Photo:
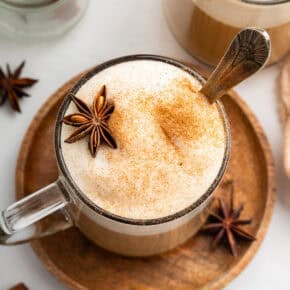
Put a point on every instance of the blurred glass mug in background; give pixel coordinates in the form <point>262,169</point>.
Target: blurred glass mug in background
<point>40,18</point>
<point>205,28</point>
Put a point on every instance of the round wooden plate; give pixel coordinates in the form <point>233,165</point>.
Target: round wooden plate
<point>79,264</point>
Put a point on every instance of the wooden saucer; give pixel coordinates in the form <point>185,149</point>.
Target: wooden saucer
<point>79,264</point>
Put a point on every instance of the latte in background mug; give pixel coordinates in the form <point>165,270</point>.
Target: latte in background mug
<point>205,28</point>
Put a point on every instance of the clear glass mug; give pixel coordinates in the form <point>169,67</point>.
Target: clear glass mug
<point>205,28</point>
<point>40,18</point>
<point>21,222</point>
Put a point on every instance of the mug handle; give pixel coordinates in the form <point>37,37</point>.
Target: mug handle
<point>19,223</point>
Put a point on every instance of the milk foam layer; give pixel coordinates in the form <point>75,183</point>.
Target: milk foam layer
<point>240,14</point>
<point>171,142</point>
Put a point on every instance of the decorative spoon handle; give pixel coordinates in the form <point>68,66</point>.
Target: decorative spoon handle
<point>248,52</point>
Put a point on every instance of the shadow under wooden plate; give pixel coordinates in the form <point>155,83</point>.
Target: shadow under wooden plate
<point>79,264</point>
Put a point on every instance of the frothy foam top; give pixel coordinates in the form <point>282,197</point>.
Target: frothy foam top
<point>171,142</point>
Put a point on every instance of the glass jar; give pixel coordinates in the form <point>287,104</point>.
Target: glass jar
<point>40,18</point>
<point>205,28</point>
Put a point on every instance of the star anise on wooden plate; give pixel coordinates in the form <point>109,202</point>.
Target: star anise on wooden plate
<point>12,86</point>
<point>226,223</point>
<point>92,121</point>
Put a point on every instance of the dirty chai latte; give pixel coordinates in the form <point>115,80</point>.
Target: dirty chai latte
<point>171,141</point>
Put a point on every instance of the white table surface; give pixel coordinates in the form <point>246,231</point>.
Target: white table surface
<point>109,29</point>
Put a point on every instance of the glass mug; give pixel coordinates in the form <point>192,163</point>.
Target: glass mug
<point>70,207</point>
<point>40,18</point>
<point>205,28</point>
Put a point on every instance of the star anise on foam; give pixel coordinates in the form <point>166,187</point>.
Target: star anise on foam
<point>92,121</point>
<point>226,224</point>
<point>11,86</point>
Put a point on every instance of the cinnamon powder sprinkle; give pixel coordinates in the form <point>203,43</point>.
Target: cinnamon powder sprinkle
<point>175,122</point>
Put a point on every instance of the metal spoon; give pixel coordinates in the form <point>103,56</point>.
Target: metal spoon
<point>248,52</point>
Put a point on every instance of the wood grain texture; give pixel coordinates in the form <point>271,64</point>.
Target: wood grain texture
<point>79,264</point>
<point>284,110</point>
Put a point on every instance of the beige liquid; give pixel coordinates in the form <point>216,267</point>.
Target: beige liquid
<point>206,27</point>
<point>171,142</point>
<point>145,244</point>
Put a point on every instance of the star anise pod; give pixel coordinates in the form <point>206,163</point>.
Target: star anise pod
<point>92,121</point>
<point>226,224</point>
<point>19,286</point>
<point>11,86</point>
